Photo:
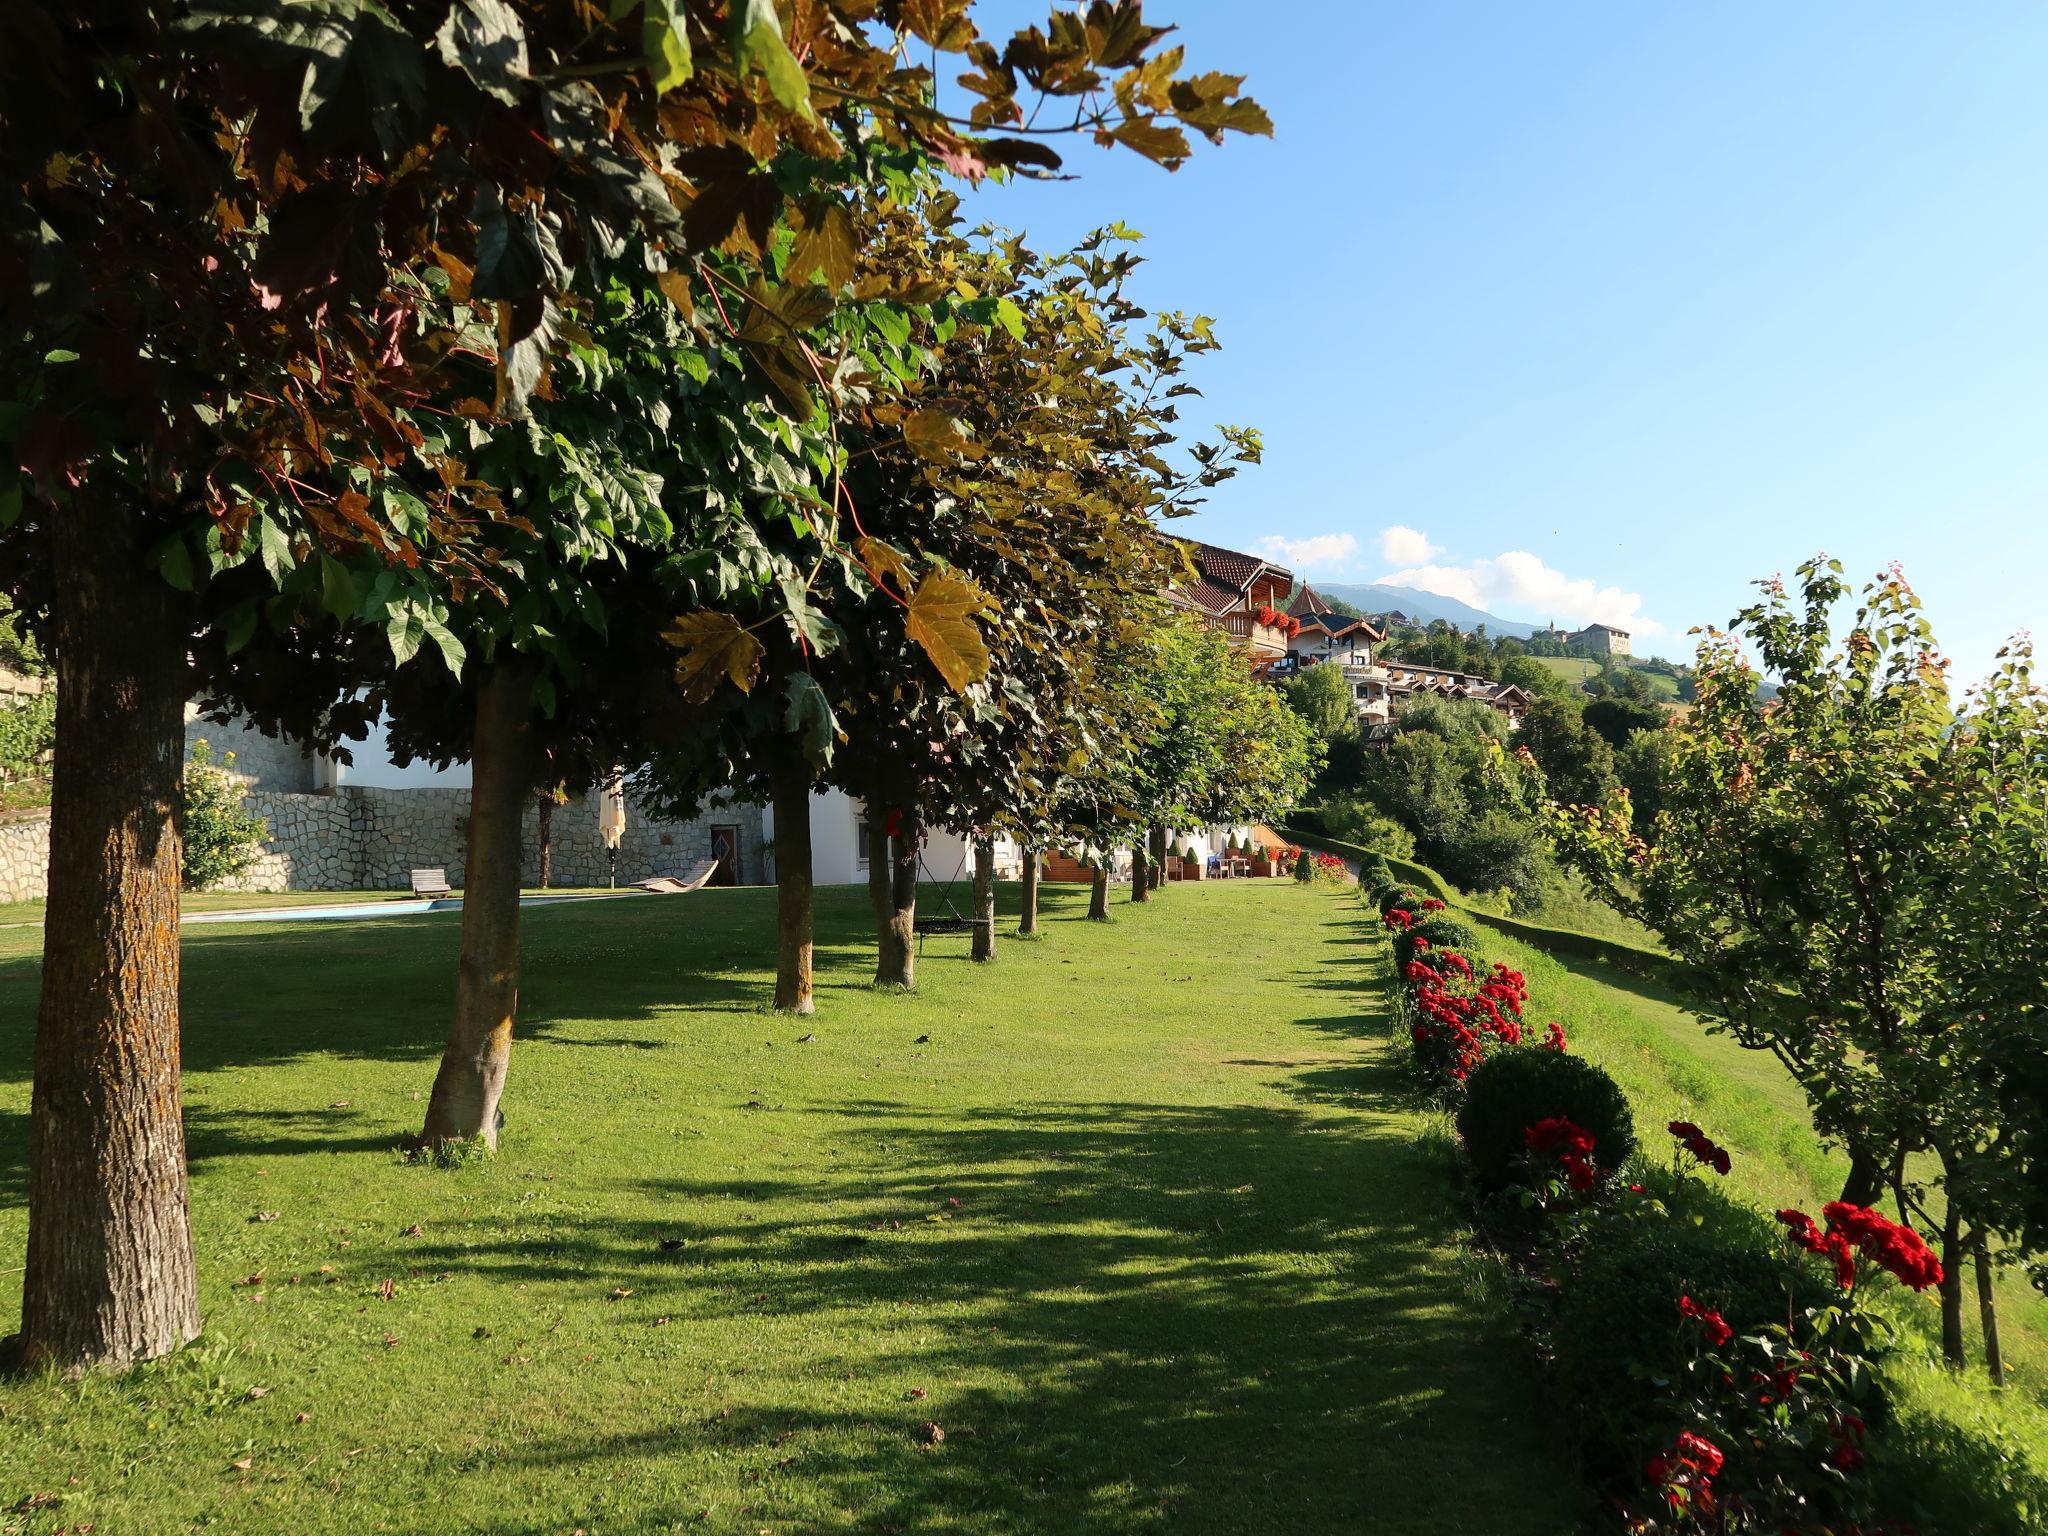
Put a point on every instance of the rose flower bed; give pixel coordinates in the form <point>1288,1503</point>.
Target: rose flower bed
<point>1716,1368</point>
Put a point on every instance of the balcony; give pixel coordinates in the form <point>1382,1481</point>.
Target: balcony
<point>1264,639</point>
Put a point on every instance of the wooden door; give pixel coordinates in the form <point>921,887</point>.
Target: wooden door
<point>725,847</point>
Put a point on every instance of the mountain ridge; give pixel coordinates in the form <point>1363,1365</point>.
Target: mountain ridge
<point>1382,597</point>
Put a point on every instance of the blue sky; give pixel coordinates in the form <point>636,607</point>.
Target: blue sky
<point>1608,310</point>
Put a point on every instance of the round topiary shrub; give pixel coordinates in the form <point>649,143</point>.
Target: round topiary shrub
<point>1442,933</point>
<point>1405,896</point>
<point>1509,1092</point>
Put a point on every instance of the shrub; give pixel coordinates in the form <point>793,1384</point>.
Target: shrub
<point>221,838</point>
<point>1441,932</point>
<point>1304,870</point>
<point>1404,896</point>
<point>1509,1092</point>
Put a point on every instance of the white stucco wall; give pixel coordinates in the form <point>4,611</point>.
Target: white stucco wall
<point>839,856</point>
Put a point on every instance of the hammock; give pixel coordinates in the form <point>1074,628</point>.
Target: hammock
<point>927,925</point>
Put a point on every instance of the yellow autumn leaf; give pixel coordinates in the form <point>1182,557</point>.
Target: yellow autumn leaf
<point>676,287</point>
<point>714,646</point>
<point>884,561</point>
<point>933,434</point>
<point>941,619</point>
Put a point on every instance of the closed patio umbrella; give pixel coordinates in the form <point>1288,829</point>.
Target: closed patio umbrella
<point>611,823</point>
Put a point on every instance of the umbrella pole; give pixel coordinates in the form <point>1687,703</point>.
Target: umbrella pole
<point>612,859</point>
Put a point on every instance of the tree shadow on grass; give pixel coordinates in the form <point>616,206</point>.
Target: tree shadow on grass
<point>1127,1316</point>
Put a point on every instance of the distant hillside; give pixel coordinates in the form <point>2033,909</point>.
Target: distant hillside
<point>1576,669</point>
<point>1379,598</point>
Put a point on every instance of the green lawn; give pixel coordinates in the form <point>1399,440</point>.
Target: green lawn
<point>1576,669</point>
<point>1147,1225</point>
<point>1672,1068</point>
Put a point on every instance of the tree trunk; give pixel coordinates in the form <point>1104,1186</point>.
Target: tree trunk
<point>109,1278</point>
<point>1866,1180</point>
<point>1158,870</point>
<point>792,791</point>
<point>1952,1256</point>
<point>897,964</point>
<point>1027,920</point>
<point>464,1106</point>
<point>984,898</point>
<point>878,883</point>
<point>1987,1314</point>
<point>1098,894</point>
<point>547,840</point>
<point>1141,879</point>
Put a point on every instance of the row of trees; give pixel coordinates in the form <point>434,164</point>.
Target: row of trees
<point>572,387</point>
<point>1855,877</point>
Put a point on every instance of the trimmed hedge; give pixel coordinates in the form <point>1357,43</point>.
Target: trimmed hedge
<point>1512,1090</point>
<point>1557,941</point>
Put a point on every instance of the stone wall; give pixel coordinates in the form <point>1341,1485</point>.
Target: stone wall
<point>24,855</point>
<point>365,839</point>
<point>263,762</point>
<point>360,838</point>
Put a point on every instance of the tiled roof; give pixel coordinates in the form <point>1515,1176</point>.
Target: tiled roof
<point>1230,568</point>
<point>1211,597</point>
<point>1307,605</point>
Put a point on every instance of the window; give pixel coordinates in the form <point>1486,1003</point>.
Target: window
<point>860,840</point>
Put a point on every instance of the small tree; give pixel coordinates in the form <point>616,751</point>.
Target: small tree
<point>222,837</point>
<point>1853,878</point>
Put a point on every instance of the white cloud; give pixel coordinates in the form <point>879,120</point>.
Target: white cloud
<point>1406,546</point>
<point>1518,585</point>
<point>1322,554</point>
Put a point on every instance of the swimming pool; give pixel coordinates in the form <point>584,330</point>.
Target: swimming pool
<point>343,911</point>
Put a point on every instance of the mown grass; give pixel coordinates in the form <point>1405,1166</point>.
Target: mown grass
<point>1576,669</point>
<point>1672,1068</point>
<point>1140,1215</point>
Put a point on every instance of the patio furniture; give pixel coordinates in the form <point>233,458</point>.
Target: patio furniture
<point>695,878</point>
<point>431,883</point>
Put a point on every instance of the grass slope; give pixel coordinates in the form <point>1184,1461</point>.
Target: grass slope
<point>1672,1068</point>
<point>1576,669</point>
<point>1147,1225</point>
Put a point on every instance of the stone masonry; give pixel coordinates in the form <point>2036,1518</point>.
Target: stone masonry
<point>358,838</point>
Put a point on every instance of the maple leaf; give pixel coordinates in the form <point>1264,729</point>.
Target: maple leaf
<point>714,646</point>
<point>941,620</point>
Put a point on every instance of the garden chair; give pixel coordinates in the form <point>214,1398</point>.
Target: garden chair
<point>431,883</point>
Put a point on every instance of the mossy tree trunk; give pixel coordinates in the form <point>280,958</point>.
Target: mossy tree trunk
<point>109,1278</point>
<point>471,1081</point>
<point>1098,893</point>
<point>1141,877</point>
<point>1158,870</point>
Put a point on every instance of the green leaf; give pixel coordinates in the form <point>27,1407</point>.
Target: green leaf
<point>175,561</point>
<point>406,629</point>
<point>755,37</point>
<point>1010,318</point>
<point>444,641</point>
<point>60,355</point>
<point>807,714</point>
<point>485,40</point>
<point>239,626</point>
<point>274,546</point>
<point>666,44</point>
<point>337,588</point>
